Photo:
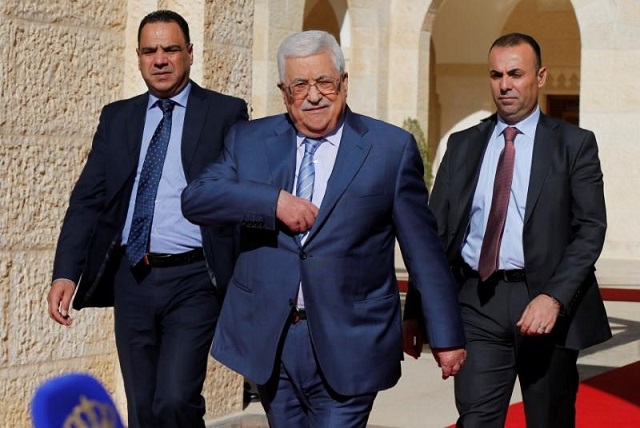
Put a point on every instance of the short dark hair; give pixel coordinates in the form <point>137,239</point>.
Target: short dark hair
<point>166,16</point>
<point>515,39</point>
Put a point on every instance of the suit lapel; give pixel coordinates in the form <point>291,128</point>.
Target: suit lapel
<point>472,150</point>
<point>131,135</point>
<point>133,128</point>
<point>281,154</point>
<point>546,139</point>
<point>351,154</point>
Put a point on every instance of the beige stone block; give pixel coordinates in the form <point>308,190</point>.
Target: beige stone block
<point>222,390</point>
<point>286,15</point>
<point>361,98</point>
<point>406,21</point>
<point>403,65</point>
<point>622,242</point>
<point>627,36</point>
<point>6,264</point>
<point>36,338</point>
<point>42,172</point>
<point>596,19</point>
<point>602,124</point>
<point>629,13</point>
<point>79,13</point>
<point>619,165</point>
<point>630,97</point>
<point>228,70</point>
<point>363,63</point>
<point>228,47</point>
<point>600,96</point>
<point>59,92</point>
<point>229,22</point>
<point>368,13</point>
<point>596,65</point>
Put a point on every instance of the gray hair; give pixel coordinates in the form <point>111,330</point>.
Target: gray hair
<point>307,43</point>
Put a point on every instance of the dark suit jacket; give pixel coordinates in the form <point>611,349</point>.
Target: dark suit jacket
<point>564,224</point>
<point>375,194</point>
<point>99,202</point>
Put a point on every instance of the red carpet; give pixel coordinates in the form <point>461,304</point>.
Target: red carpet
<point>610,400</point>
<point>620,294</point>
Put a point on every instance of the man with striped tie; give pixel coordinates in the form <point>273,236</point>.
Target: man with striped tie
<point>320,195</point>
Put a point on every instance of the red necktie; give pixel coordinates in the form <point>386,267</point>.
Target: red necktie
<point>488,263</point>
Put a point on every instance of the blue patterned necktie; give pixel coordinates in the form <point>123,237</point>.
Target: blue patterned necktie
<point>148,185</point>
<point>307,172</point>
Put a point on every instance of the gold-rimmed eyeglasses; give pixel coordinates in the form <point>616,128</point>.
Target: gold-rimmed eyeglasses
<point>301,88</point>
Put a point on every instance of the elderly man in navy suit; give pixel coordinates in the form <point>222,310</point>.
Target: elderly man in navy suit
<point>320,195</point>
<point>125,243</point>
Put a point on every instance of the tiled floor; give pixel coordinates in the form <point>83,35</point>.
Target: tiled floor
<point>422,400</point>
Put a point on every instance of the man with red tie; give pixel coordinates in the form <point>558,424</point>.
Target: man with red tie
<point>521,213</point>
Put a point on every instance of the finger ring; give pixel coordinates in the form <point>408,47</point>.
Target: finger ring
<point>542,328</point>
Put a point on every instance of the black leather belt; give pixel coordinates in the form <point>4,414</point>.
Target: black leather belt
<point>298,315</point>
<point>169,260</point>
<point>510,275</point>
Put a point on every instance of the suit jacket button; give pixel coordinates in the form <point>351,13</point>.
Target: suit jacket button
<point>303,255</point>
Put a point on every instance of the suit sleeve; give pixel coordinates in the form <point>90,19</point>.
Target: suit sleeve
<point>439,205</point>
<point>588,223</point>
<point>219,198</point>
<point>431,279</point>
<point>85,204</point>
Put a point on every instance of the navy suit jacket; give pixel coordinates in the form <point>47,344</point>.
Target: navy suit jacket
<point>375,194</point>
<point>99,202</point>
<point>564,223</point>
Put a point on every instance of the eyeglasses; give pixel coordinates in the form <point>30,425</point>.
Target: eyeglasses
<point>325,86</point>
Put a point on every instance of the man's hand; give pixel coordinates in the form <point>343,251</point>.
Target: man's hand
<point>59,300</point>
<point>296,213</point>
<point>412,339</point>
<point>450,360</point>
<point>540,316</point>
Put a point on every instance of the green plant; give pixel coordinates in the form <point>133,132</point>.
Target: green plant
<point>413,126</point>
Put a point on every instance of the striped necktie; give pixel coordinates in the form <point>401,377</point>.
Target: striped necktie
<point>307,172</point>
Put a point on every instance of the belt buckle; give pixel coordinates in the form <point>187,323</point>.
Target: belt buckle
<point>296,317</point>
<point>145,259</point>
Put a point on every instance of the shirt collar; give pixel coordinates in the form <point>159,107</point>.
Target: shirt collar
<point>526,126</point>
<point>180,99</point>
<point>332,138</point>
